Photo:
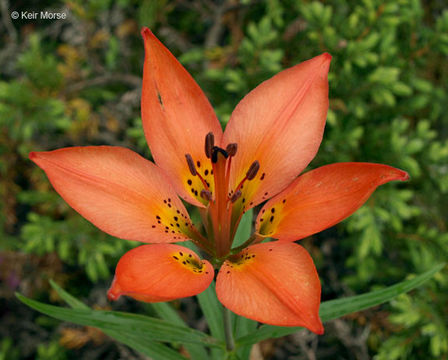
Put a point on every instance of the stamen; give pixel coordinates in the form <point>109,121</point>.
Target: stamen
<point>209,144</point>
<point>231,149</point>
<point>252,172</point>
<point>190,163</point>
<point>235,196</point>
<point>207,195</point>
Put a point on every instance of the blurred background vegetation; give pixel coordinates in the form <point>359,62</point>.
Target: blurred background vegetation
<point>77,81</point>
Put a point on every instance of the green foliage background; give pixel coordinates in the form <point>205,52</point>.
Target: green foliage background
<point>77,82</point>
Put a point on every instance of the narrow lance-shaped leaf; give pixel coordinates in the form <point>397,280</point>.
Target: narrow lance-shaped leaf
<point>168,313</point>
<point>138,342</point>
<point>154,329</point>
<point>212,310</point>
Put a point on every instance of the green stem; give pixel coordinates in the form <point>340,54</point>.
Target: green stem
<point>230,343</point>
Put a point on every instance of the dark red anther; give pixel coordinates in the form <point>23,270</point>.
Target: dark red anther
<point>253,170</point>
<point>207,195</point>
<point>190,163</point>
<point>209,144</point>
<point>231,149</point>
<point>235,196</point>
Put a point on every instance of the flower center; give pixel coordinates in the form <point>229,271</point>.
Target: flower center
<point>219,199</point>
<point>221,162</point>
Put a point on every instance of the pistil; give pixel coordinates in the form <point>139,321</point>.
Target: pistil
<point>218,208</point>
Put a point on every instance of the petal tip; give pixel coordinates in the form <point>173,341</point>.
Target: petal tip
<point>326,60</point>
<point>327,57</point>
<point>403,176</point>
<point>32,155</point>
<point>145,32</point>
<point>398,174</point>
<point>113,294</point>
<point>319,330</point>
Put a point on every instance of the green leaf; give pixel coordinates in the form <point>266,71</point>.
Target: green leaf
<point>213,312</point>
<point>68,298</point>
<point>334,309</point>
<point>152,349</point>
<point>138,342</point>
<point>153,329</point>
<point>243,326</point>
<point>166,312</point>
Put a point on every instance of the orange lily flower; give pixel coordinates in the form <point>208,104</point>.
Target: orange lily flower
<point>272,135</point>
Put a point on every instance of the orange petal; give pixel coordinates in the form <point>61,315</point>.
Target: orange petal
<point>176,118</point>
<point>321,198</point>
<point>118,191</point>
<point>162,272</point>
<point>274,283</point>
<point>280,123</point>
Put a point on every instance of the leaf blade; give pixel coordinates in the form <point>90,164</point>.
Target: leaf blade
<point>152,349</point>
<point>73,302</point>
<point>155,329</point>
<point>168,313</point>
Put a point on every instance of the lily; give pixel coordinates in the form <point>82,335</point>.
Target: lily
<point>272,135</point>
